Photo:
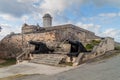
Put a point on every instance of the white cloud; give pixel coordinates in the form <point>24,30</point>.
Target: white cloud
<point>7,17</point>
<point>112,32</point>
<point>119,14</point>
<point>19,8</point>
<point>16,8</point>
<point>56,7</point>
<point>100,3</point>
<point>25,18</point>
<point>26,9</point>
<point>7,29</point>
<point>92,27</point>
<point>103,18</point>
<point>28,1</point>
<point>108,15</point>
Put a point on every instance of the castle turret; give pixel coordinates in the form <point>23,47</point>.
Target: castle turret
<point>47,20</point>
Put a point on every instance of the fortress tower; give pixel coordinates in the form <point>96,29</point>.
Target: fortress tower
<point>47,20</point>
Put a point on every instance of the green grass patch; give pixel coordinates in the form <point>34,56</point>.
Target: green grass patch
<point>93,43</point>
<point>117,47</point>
<point>8,62</point>
<point>89,47</point>
<point>68,63</point>
<point>65,64</point>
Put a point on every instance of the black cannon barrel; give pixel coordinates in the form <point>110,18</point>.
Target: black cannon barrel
<point>36,43</point>
<point>76,48</point>
<point>72,42</point>
<point>40,47</point>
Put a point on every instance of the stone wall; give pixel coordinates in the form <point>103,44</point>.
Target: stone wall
<point>74,33</point>
<point>13,43</point>
<point>47,35</point>
<point>105,45</point>
<point>10,46</point>
<point>63,32</point>
<point>43,37</point>
<point>29,28</point>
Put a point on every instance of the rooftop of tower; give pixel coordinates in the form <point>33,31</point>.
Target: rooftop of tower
<point>47,15</point>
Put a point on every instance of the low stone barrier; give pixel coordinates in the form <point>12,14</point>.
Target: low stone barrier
<point>105,45</point>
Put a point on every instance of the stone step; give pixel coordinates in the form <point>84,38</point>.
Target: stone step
<point>50,59</point>
<point>40,61</point>
<point>49,55</point>
<point>43,61</point>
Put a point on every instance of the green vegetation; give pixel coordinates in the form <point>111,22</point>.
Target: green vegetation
<point>65,64</point>
<point>89,47</point>
<point>69,63</point>
<point>8,62</point>
<point>93,43</point>
<point>117,48</point>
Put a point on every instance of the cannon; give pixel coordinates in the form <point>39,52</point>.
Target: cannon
<point>40,47</point>
<point>76,48</point>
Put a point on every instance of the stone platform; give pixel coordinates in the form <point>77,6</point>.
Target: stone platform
<point>49,59</point>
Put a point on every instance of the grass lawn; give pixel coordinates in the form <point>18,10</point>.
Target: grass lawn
<point>8,62</point>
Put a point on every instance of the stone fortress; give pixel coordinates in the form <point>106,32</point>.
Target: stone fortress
<point>53,44</point>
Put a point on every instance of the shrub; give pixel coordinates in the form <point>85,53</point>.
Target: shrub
<point>89,46</point>
<point>8,62</point>
<point>117,48</point>
<point>93,43</point>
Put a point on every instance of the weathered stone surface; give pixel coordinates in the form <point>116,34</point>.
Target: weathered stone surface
<point>105,45</point>
<point>51,36</point>
<point>50,59</point>
<point>48,34</point>
<point>47,20</point>
<point>29,28</point>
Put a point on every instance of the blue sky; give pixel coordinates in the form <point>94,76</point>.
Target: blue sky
<point>99,16</point>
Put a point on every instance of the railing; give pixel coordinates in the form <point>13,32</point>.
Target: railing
<point>95,49</point>
<point>26,54</point>
<point>23,55</point>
